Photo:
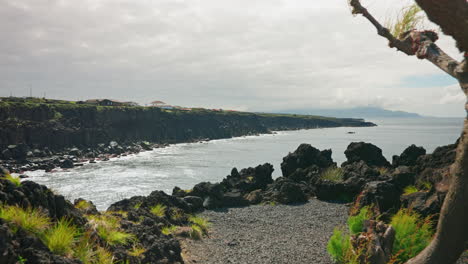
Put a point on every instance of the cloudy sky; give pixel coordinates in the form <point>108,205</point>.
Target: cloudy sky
<point>256,55</point>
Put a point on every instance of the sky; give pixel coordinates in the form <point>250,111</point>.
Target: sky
<point>249,55</point>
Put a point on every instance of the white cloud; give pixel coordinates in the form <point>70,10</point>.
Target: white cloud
<point>245,54</point>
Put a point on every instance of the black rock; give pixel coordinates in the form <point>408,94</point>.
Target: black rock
<point>409,156</point>
<point>66,164</point>
<point>367,152</point>
<point>306,156</point>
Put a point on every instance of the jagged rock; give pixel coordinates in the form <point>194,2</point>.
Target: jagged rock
<point>305,156</point>
<point>385,195</point>
<point>207,189</point>
<point>74,152</point>
<point>254,197</point>
<point>377,238</point>
<point>409,156</point>
<point>360,169</point>
<point>367,152</point>
<point>6,154</point>
<point>424,203</point>
<point>403,176</point>
<point>195,201</point>
<point>234,199</point>
<point>87,207</point>
<point>67,164</point>
<point>249,179</point>
<point>285,191</point>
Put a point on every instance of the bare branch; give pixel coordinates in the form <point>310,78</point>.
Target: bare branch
<point>419,43</point>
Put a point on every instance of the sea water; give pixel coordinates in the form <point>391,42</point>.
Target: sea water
<point>185,165</point>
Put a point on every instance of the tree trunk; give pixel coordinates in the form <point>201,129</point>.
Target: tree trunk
<point>452,231</point>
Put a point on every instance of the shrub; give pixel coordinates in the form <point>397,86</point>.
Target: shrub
<point>332,174</point>
<point>159,210</point>
<point>339,246</point>
<point>356,222</point>
<point>60,238</point>
<point>413,234</point>
<point>201,222</point>
<point>410,189</point>
<point>13,179</point>
<point>32,220</point>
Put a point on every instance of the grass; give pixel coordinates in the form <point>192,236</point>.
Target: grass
<point>83,205</point>
<point>108,228</point>
<point>136,251</point>
<point>137,205</point>
<point>413,234</point>
<point>103,256</point>
<point>201,222</point>
<point>84,249</point>
<point>177,214</point>
<point>408,19</point>
<point>61,237</point>
<point>32,220</point>
<point>332,174</point>
<point>167,230</point>
<point>13,179</point>
<point>196,232</point>
<point>410,189</point>
<point>356,223</point>
<point>159,210</point>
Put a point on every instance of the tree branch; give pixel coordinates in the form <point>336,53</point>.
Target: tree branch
<point>419,43</point>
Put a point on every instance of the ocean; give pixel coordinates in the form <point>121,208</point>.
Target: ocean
<point>187,164</point>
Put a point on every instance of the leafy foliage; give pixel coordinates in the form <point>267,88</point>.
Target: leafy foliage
<point>413,234</point>
<point>339,246</point>
<point>356,222</point>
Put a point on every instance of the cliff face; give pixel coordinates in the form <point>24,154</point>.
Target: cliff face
<point>60,126</point>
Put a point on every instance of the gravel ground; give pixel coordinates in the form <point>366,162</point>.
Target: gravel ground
<point>268,234</point>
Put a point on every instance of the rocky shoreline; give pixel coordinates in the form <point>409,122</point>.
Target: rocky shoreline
<point>366,178</point>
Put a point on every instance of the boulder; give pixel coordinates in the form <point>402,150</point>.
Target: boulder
<point>234,199</point>
<point>254,197</point>
<point>305,156</point>
<point>409,156</point>
<point>285,191</point>
<point>367,152</point>
<point>6,154</point>
<point>66,164</point>
<point>383,194</point>
<point>195,201</point>
<point>249,179</point>
<point>74,152</point>
<point>424,203</point>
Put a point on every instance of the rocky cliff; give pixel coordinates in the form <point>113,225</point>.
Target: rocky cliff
<point>58,126</point>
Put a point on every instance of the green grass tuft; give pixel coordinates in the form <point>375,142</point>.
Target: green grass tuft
<point>61,237</point>
<point>159,210</point>
<point>201,222</point>
<point>167,230</point>
<point>108,228</point>
<point>413,234</point>
<point>356,222</point>
<point>408,19</point>
<point>32,220</point>
<point>13,179</point>
<point>196,232</point>
<point>103,256</point>
<point>332,174</point>
<point>137,251</point>
<point>83,205</point>
<point>410,189</point>
<point>137,205</point>
<point>84,249</point>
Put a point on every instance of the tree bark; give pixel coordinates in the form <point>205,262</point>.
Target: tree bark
<point>452,230</point>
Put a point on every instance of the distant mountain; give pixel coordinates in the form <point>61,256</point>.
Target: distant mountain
<point>356,112</point>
